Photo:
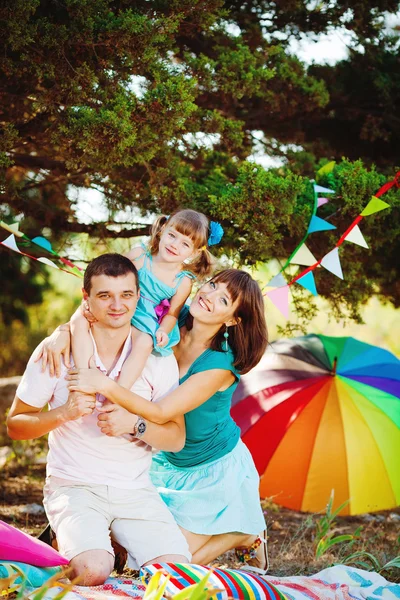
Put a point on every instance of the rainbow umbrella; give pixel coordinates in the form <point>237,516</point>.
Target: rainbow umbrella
<point>322,413</point>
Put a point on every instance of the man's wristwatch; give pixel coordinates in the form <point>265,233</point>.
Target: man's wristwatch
<point>139,428</point>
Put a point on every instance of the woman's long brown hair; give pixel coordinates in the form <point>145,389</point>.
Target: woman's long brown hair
<point>249,338</point>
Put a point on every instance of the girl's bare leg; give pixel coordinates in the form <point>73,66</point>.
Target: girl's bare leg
<point>142,346</point>
<point>81,342</point>
<point>205,548</point>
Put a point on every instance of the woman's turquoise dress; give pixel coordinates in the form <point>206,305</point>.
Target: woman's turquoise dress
<point>152,293</point>
<point>211,486</point>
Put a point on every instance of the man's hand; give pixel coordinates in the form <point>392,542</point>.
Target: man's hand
<point>162,338</point>
<point>79,405</point>
<point>114,420</point>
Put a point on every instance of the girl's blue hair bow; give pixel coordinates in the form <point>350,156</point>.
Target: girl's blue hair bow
<point>216,233</point>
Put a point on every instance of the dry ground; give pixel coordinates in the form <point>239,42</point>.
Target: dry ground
<point>291,534</point>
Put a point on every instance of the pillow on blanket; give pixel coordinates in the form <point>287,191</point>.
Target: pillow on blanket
<point>18,546</point>
<point>34,576</point>
<point>235,584</point>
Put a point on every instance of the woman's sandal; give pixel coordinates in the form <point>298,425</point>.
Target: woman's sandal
<point>251,558</point>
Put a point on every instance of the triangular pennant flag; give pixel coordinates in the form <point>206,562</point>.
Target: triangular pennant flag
<point>47,261</point>
<point>373,206</point>
<point>43,243</point>
<point>77,271</point>
<point>303,257</point>
<point>318,189</point>
<point>11,243</point>
<point>277,281</point>
<point>318,224</point>
<point>280,298</point>
<point>326,169</point>
<point>331,262</point>
<point>12,228</point>
<point>308,282</point>
<point>322,201</point>
<point>356,237</point>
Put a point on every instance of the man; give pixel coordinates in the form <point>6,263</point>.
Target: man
<point>98,483</point>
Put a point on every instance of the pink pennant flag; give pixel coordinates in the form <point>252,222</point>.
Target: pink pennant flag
<point>331,262</point>
<point>322,201</point>
<point>280,298</point>
<point>12,244</point>
<point>356,237</point>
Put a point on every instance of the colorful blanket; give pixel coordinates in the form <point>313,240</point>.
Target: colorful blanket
<point>335,583</point>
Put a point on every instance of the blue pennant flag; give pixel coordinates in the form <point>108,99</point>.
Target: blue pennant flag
<point>43,243</point>
<point>318,224</point>
<point>318,189</point>
<point>277,281</point>
<point>308,282</point>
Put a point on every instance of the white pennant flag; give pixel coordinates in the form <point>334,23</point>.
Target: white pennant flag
<point>11,243</point>
<point>13,228</point>
<point>356,237</point>
<point>49,262</point>
<point>331,262</point>
<point>304,257</point>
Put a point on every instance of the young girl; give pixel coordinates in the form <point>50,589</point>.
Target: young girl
<point>176,255</point>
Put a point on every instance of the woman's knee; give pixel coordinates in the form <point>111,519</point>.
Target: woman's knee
<point>91,567</point>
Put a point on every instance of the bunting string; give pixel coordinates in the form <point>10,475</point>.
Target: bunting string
<point>42,243</point>
<point>330,261</point>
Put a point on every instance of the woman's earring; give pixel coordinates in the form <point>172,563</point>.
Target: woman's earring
<point>226,336</point>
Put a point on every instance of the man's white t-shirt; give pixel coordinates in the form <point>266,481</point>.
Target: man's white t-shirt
<point>78,450</point>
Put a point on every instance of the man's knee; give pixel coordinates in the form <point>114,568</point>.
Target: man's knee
<point>91,567</point>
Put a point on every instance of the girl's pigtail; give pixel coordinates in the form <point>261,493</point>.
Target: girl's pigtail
<point>204,264</point>
<point>155,233</point>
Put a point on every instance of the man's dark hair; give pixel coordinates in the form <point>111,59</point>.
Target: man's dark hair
<point>112,265</point>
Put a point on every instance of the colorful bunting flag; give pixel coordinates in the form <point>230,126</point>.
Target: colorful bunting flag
<point>374,205</point>
<point>326,169</point>
<point>280,298</point>
<point>277,281</point>
<point>318,189</point>
<point>322,201</point>
<point>13,228</point>
<point>356,237</point>
<point>303,257</point>
<point>48,262</point>
<point>11,243</point>
<point>318,224</point>
<point>331,262</point>
<point>43,243</point>
<point>308,282</point>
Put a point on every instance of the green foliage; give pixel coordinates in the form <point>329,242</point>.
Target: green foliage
<point>324,537</point>
<point>369,562</point>
<point>161,104</point>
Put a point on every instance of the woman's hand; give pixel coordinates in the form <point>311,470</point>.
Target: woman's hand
<point>52,348</point>
<point>88,381</point>
<point>114,420</point>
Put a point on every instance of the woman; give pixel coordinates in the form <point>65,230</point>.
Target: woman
<point>211,485</point>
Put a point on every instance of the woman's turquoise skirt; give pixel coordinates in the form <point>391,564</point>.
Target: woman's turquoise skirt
<point>216,497</point>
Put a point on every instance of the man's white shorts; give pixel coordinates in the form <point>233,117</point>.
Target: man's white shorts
<point>82,517</point>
